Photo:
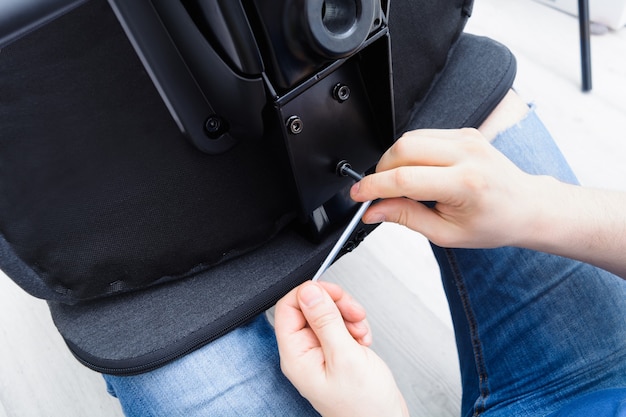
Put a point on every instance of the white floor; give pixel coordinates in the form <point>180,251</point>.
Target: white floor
<point>393,273</point>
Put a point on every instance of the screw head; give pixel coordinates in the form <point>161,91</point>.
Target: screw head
<point>341,92</point>
<point>215,126</point>
<point>295,125</point>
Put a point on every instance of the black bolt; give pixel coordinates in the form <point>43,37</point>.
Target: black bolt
<point>295,125</point>
<point>344,169</point>
<point>213,124</point>
<point>341,92</point>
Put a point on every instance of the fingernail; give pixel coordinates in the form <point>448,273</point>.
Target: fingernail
<point>311,295</point>
<point>355,188</point>
<point>367,339</point>
<point>374,218</point>
<point>362,326</point>
<point>357,306</point>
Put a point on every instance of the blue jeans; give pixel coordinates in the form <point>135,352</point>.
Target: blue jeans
<point>533,331</point>
<point>236,375</point>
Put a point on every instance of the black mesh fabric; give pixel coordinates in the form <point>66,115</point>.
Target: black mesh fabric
<point>100,192</point>
<point>422,33</point>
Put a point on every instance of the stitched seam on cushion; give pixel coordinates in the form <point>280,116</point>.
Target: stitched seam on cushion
<point>416,106</point>
<point>495,87</point>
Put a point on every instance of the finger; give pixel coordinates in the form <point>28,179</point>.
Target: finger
<point>350,309</point>
<point>439,228</point>
<point>352,312</point>
<point>361,332</point>
<point>417,183</point>
<point>288,317</point>
<point>324,318</point>
<point>409,213</point>
<point>291,319</point>
<point>425,147</point>
<point>298,346</point>
<point>334,291</point>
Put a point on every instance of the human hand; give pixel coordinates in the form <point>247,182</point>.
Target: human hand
<point>482,198</point>
<point>322,340</point>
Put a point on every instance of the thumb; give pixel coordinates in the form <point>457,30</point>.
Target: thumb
<point>324,318</point>
<point>410,213</point>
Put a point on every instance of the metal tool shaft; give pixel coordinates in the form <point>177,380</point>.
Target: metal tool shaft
<point>342,240</point>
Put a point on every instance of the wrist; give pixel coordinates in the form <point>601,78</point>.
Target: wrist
<point>549,216</point>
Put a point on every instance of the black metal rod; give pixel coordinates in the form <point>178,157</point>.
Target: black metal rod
<point>345,170</point>
<point>585,43</point>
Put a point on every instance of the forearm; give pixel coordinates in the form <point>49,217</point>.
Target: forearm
<point>581,223</point>
<point>576,222</point>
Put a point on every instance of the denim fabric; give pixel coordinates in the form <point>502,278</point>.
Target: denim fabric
<point>236,375</point>
<point>534,331</point>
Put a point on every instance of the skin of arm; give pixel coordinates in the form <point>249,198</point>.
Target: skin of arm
<point>483,200</point>
<point>581,223</point>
